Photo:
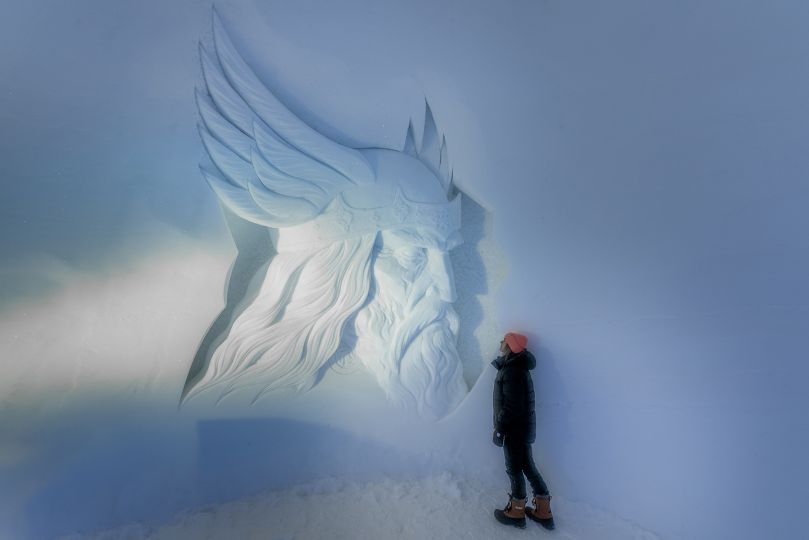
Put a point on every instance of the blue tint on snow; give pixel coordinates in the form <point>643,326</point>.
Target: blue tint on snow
<point>645,163</point>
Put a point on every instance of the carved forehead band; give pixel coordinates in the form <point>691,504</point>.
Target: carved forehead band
<point>341,221</point>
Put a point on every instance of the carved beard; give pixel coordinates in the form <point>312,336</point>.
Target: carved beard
<point>413,355</point>
<point>287,336</point>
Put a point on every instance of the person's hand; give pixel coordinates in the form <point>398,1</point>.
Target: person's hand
<point>497,438</point>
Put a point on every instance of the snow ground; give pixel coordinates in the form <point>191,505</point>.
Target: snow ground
<point>442,506</point>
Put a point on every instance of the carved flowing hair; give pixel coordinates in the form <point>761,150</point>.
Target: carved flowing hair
<point>287,336</point>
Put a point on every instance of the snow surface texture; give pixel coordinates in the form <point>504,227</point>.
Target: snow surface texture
<point>440,507</point>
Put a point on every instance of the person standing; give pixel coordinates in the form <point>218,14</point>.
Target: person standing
<point>515,431</point>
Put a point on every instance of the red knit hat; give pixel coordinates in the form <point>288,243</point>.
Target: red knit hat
<point>516,342</point>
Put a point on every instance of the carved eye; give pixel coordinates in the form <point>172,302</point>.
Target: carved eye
<point>411,259</point>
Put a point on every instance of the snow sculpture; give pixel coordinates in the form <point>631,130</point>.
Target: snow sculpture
<point>362,238</point>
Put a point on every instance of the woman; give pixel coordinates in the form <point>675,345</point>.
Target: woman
<point>515,431</point>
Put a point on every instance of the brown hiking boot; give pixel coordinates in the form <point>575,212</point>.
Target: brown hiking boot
<point>513,514</point>
<point>541,512</point>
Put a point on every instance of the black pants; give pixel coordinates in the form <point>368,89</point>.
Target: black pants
<point>519,462</point>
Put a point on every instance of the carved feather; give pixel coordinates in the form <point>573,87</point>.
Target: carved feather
<point>272,168</point>
<point>347,161</point>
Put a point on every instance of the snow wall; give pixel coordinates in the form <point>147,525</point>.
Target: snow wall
<point>643,170</point>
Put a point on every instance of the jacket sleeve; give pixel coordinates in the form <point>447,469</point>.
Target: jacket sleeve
<point>512,407</point>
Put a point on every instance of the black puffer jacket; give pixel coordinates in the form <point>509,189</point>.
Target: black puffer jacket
<point>513,398</point>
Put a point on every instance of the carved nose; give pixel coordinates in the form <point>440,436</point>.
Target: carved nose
<point>443,278</point>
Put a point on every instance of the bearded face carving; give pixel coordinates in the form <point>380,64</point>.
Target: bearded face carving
<point>362,238</point>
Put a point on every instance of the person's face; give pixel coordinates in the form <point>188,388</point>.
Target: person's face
<point>504,348</point>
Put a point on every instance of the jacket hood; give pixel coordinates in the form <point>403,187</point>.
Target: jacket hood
<point>523,359</point>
